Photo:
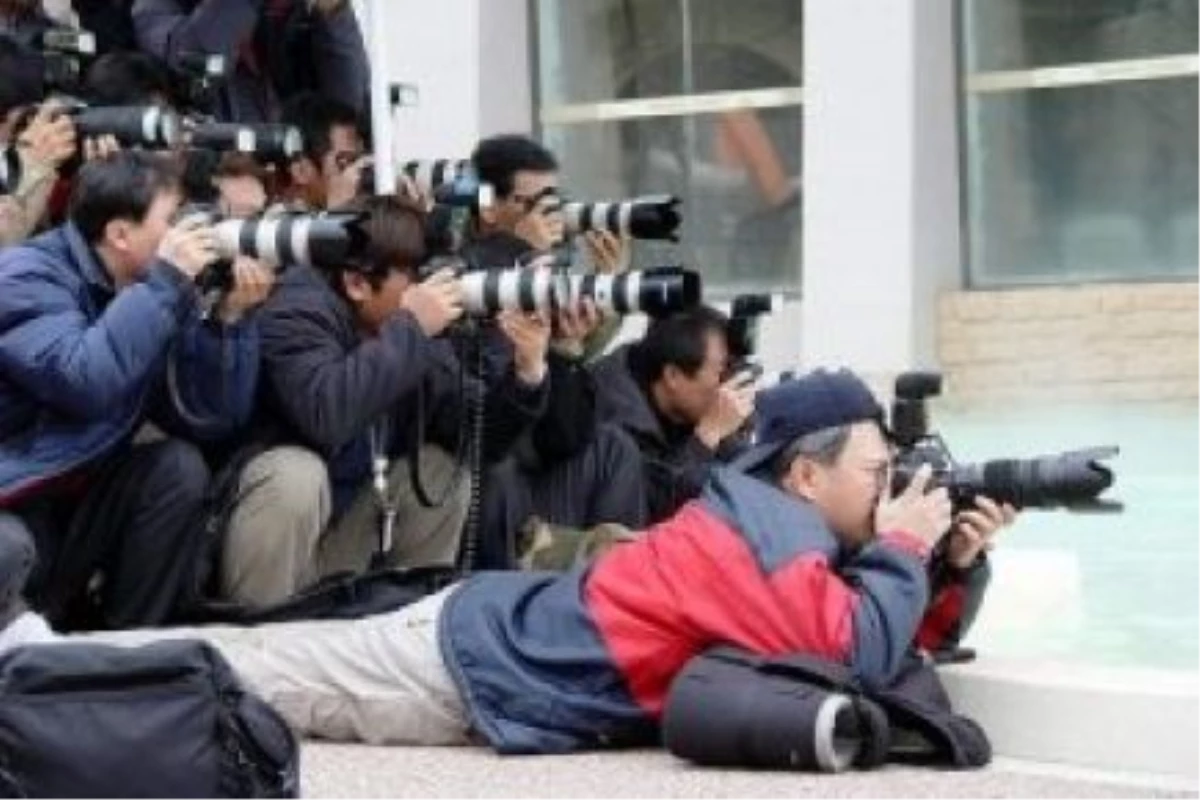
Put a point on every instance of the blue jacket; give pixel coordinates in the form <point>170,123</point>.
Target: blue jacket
<point>82,365</point>
<point>552,663</point>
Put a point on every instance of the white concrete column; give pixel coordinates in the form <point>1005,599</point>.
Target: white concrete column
<point>881,216</point>
<point>469,61</point>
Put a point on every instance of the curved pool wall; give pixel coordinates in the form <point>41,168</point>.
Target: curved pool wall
<point>1117,720</point>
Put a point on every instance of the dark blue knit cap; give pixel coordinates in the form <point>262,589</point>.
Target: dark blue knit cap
<point>813,402</point>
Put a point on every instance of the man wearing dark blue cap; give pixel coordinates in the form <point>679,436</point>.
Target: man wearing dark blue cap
<point>798,548</point>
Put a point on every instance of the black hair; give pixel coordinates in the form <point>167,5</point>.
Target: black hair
<point>23,71</point>
<point>125,78</point>
<point>122,186</point>
<point>498,159</point>
<point>316,116</point>
<point>395,231</point>
<point>679,340</point>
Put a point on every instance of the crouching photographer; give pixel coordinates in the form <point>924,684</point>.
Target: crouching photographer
<point>99,332</point>
<point>355,366</point>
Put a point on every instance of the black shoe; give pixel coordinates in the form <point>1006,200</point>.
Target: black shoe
<point>17,555</point>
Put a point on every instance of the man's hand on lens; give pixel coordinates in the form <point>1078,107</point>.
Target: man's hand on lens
<point>100,147</point>
<point>49,140</point>
<point>916,511</point>
<point>542,227</point>
<point>530,336</point>
<point>735,404</point>
<point>975,531</point>
<point>436,302</point>
<point>189,245</point>
<point>252,284</point>
<point>345,184</point>
<point>574,325</point>
<point>609,253</point>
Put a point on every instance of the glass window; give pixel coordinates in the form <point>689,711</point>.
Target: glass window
<point>1076,176</point>
<point>734,161</point>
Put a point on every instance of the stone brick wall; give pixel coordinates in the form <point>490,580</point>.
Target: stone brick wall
<point>1112,342</point>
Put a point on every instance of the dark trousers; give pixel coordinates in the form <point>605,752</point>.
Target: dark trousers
<point>603,483</point>
<point>130,551</point>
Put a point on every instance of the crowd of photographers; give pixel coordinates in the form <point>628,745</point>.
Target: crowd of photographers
<point>229,369</point>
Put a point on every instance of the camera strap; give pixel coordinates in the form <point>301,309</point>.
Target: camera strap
<point>386,501</point>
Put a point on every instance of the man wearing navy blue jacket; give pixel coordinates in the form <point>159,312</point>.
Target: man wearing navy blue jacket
<point>99,332</point>
<point>274,48</point>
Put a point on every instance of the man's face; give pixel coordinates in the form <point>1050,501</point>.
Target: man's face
<point>527,197</point>
<point>241,197</point>
<point>137,242</point>
<point>847,491</point>
<point>345,147</point>
<point>688,398</point>
<point>373,307</point>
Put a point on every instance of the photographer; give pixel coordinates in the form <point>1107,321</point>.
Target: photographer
<point>328,174</point>
<point>41,148</point>
<point>354,359</point>
<point>799,550</point>
<point>98,333</point>
<point>568,471</point>
<point>33,144</point>
<point>671,394</point>
<point>277,49</point>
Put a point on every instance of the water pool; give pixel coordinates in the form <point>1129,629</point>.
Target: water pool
<point>1129,593</point>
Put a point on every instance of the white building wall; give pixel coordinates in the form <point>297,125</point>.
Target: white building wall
<point>881,220</point>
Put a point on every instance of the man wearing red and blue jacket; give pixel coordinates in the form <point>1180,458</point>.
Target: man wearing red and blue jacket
<point>797,548</point>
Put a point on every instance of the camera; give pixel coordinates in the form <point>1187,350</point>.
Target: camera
<point>196,77</point>
<point>325,239</point>
<point>430,174</point>
<point>132,126</point>
<point>264,141</point>
<point>657,291</point>
<point>1073,480</point>
<point>654,217</point>
<point>63,52</point>
<point>741,331</point>
<point>280,239</point>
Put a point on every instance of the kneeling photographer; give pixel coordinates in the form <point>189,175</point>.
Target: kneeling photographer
<point>568,470</point>
<point>99,332</point>
<point>354,364</point>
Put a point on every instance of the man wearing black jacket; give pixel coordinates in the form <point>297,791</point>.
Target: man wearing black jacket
<point>568,470</point>
<point>353,361</point>
<point>671,394</point>
<point>275,49</point>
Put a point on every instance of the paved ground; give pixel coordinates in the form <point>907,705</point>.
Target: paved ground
<point>358,771</point>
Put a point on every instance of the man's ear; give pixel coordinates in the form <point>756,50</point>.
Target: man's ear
<point>117,234</point>
<point>357,287</point>
<point>801,478</point>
